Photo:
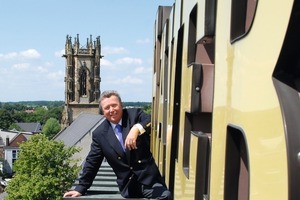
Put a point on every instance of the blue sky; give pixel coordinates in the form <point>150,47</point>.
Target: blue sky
<point>32,41</point>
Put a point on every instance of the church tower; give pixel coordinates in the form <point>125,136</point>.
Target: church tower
<point>82,78</point>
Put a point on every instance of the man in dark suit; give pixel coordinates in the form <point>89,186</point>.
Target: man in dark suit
<point>136,171</point>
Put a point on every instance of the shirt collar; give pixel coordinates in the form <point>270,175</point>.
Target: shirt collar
<point>114,125</point>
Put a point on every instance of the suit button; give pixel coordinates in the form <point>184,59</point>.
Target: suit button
<point>139,161</point>
<point>119,158</point>
<point>131,168</point>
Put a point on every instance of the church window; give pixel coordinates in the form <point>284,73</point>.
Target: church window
<point>83,83</point>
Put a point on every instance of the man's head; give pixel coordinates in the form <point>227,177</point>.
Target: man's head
<point>111,106</point>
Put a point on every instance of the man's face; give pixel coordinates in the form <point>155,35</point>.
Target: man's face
<point>112,109</point>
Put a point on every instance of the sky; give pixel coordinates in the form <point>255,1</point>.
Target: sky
<point>33,36</point>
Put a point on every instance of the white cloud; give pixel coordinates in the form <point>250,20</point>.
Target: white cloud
<point>129,80</point>
<point>42,69</point>
<point>30,53</point>
<point>113,50</point>
<point>130,61</point>
<point>144,41</point>
<point>21,66</point>
<point>104,62</point>
<point>59,53</point>
<point>58,75</point>
<point>142,70</point>
<point>120,64</point>
<point>49,64</point>
<point>8,56</point>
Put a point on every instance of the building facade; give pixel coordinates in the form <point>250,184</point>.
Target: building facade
<point>9,149</point>
<point>82,78</point>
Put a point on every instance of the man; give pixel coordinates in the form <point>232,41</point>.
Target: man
<point>132,161</point>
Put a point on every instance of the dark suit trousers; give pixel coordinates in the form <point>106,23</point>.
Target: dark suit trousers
<point>134,189</point>
<point>157,191</point>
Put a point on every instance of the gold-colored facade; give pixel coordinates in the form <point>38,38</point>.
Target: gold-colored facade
<point>225,110</point>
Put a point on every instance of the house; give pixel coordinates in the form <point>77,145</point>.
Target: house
<point>79,134</point>
<point>5,138</point>
<point>31,127</point>
<point>9,148</point>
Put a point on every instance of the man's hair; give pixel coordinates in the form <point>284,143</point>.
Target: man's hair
<point>107,94</point>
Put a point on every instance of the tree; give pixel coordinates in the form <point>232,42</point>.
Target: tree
<point>5,119</point>
<point>51,127</point>
<point>43,171</point>
<point>147,109</point>
<point>20,116</point>
<point>14,126</point>
<point>55,112</point>
<point>39,115</point>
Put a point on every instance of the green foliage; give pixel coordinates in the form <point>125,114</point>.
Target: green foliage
<point>32,104</point>
<point>55,112</point>
<point>51,128</point>
<point>136,104</point>
<point>14,126</point>
<point>43,110</point>
<point>5,119</point>
<point>14,107</point>
<point>147,109</point>
<point>43,171</point>
<point>20,116</point>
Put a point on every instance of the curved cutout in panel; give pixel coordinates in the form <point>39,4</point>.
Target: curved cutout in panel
<point>242,16</point>
<point>286,79</point>
<point>236,184</point>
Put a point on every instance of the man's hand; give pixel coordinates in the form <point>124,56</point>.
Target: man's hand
<point>72,194</point>
<point>130,141</point>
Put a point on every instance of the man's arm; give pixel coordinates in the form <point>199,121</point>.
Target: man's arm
<point>91,166</point>
<point>143,119</point>
<point>142,122</point>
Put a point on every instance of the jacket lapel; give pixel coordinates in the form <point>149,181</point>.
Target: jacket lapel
<point>113,140</point>
<point>126,129</point>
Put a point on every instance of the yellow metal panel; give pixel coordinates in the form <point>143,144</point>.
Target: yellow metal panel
<point>245,96</point>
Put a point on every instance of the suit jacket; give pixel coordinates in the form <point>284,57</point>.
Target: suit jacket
<point>131,167</point>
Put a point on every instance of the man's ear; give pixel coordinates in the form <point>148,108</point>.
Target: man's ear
<point>100,110</point>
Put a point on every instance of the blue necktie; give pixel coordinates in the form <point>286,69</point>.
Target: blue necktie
<point>120,135</point>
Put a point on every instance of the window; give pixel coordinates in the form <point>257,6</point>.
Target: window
<point>15,155</point>
<point>83,83</point>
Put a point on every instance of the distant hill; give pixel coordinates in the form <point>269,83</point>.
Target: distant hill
<point>137,104</point>
<point>61,103</point>
<point>36,103</point>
